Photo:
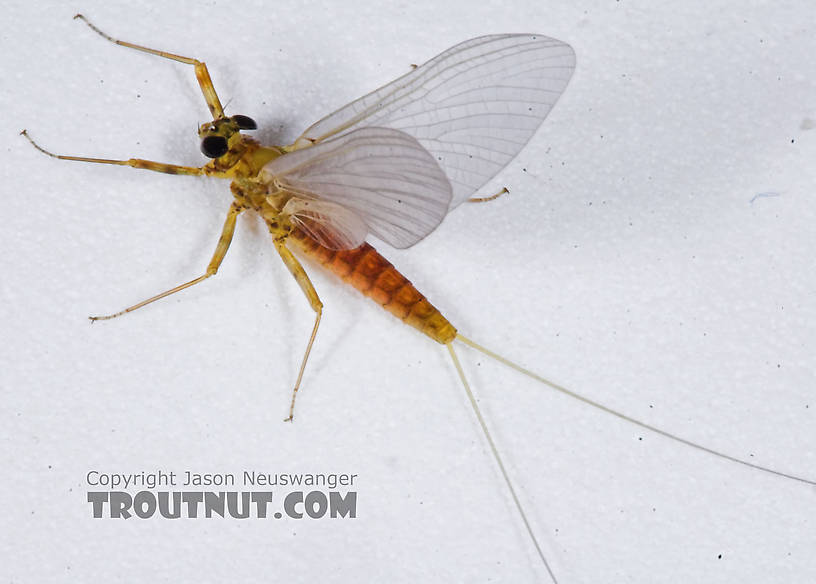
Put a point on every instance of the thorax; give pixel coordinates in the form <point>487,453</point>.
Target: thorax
<point>252,190</point>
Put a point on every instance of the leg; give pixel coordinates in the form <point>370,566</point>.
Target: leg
<point>134,162</point>
<point>311,295</point>
<point>490,198</point>
<point>203,76</point>
<point>212,268</point>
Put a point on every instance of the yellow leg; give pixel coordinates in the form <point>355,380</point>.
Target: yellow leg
<point>134,162</point>
<point>202,75</point>
<point>311,295</point>
<point>220,251</point>
<point>490,198</point>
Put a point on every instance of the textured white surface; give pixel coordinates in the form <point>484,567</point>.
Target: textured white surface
<point>633,261</point>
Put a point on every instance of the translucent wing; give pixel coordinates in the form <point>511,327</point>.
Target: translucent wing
<point>473,107</point>
<point>379,177</point>
<point>331,225</point>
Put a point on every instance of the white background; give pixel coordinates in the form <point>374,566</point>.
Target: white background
<point>628,263</point>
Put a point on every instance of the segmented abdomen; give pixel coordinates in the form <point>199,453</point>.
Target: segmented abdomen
<point>373,275</point>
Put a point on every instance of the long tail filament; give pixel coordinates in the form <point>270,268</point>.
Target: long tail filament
<point>588,402</point>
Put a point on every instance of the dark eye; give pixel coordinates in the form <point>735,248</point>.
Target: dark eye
<point>214,146</point>
<point>245,122</point>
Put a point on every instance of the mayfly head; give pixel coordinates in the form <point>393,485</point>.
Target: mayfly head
<point>222,134</point>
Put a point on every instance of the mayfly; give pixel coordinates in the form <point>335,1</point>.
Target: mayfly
<point>391,164</point>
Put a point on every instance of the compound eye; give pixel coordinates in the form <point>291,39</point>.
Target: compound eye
<point>214,146</point>
<point>245,122</point>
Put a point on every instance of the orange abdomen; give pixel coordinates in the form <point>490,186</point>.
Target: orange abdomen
<point>373,275</point>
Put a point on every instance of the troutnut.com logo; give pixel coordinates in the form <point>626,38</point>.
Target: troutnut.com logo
<point>149,495</point>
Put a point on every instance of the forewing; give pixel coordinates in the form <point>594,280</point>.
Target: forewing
<point>472,107</point>
<point>381,175</point>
